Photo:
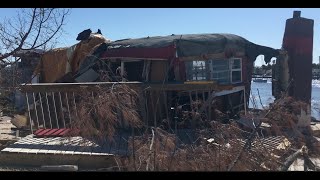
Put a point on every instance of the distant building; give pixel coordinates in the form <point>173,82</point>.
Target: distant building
<point>21,72</point>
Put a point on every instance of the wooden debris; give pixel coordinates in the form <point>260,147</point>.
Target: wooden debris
<point>59,168</point>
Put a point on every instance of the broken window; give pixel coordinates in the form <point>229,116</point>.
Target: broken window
<point>134,70</point>
<point>196,71</point>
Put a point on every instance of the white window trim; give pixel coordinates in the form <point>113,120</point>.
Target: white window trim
<point>230,61</point>
<point>232,70</point>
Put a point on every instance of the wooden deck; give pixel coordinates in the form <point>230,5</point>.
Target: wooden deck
<point>66,146</point>
<point>31,151</point>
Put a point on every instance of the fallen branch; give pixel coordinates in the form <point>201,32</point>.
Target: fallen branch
<point>150,150</point>
<point>292,158</point>
<point>246,146</point>
<point>260,99</point>
<point>310,164</point>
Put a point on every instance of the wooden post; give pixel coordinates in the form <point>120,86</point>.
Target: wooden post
<point>166,107</point>
<point>203,102</point>
<point>193,110</point>
<point>244,101</point>
<point>142,105</point>
<point>159,104</point>
<point>210,103</point>
<point>122,70</point>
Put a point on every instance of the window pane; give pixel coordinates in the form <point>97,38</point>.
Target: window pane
<point>220,71</point>
<point>236,63</point>
<point>222,77</point>
<point>196,70</point>
<point>219,65</point>
<point>236,76</point>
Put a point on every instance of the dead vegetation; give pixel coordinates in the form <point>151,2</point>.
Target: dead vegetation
<point>216,146</point>
<point>99,113</point>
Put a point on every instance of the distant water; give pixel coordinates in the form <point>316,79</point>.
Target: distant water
<point>265,91</point>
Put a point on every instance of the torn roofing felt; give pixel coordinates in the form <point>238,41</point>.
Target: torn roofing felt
<point>198,44</point>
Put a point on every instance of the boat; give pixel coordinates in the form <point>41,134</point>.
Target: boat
<point>260,80</point>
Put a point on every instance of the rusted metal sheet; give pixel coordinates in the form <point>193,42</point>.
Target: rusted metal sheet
<point>298,42</point>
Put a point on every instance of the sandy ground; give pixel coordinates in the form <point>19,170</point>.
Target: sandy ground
<point>7,136</point>
<point>5,129</point>
<point>16,168</point>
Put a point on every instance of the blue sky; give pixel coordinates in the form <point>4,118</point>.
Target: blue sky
<point>264,26</point>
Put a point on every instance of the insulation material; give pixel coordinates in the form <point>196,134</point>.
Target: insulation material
<point>85,48</point>
<point>52,65</point>
<point>91,60</point>
<point>58,62</point>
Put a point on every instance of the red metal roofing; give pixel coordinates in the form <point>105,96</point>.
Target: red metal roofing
<point>51,132</point>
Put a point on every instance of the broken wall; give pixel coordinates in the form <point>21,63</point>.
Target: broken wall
<point>58,62</point>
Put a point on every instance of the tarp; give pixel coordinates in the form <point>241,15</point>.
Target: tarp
<point>191,45</point>
<point>56,63</point>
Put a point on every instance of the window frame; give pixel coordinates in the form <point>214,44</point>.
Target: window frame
<point>236,69</point>
<point>209,64</point>
<point>194,65</point>
<point>212,72</point>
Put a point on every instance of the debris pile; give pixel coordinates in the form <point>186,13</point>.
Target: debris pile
<point>272,138</point>
<point>289,117</point>
<point>101,112</point>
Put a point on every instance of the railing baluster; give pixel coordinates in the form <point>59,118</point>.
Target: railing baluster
<point>64,123</point>
<point>55,109</point>
<point>68,107</point>
<point>44,122</point>
<point>49,111</point>
<point>75,106</point>
<point>35,108</point>
<point>31,122</point>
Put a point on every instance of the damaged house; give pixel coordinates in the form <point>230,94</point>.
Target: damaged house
<point>177,98</point>
<point>177,75</point>
<point>191,67</point>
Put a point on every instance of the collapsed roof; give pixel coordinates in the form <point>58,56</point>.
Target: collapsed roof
<point>58,62</point>
<point>80,57</point>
